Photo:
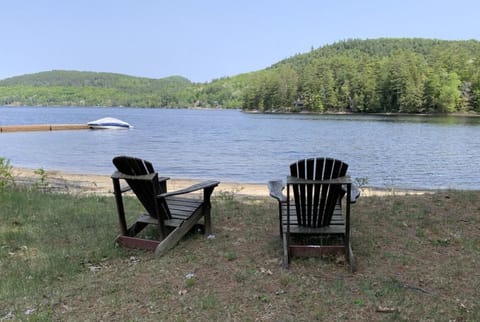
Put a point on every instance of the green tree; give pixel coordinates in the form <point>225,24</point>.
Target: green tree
<point>449,96</point>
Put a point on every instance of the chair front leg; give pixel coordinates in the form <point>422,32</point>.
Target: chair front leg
<point>161,203</point>
<point>207,220</point>
<point>348,247</point>
<point>207,206</point>
<point>280,211</point>
<point>286,250</point>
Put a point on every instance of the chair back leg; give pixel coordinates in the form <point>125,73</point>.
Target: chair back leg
<point>286,257</point>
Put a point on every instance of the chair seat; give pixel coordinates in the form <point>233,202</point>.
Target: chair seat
<point>336,227</point>
<point>180,210</point>
<point>327,230</point>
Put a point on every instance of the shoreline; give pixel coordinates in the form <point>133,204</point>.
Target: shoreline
<point>307,112</point>
<point>61,181</point>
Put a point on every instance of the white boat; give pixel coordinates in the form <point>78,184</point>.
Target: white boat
<point>108,123</point>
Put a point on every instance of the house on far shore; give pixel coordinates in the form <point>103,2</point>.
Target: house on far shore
<point>298,104</point>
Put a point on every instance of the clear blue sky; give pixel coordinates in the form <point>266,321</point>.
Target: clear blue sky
<point>207,39</point>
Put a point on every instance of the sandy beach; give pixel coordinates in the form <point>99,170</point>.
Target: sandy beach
<point>102,184</point>
<point>75,183</point>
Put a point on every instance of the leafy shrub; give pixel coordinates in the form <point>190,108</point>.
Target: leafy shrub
<point>6,176</point>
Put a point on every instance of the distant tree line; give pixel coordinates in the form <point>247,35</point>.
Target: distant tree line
<point>382,75</point>
<point>72,88</point>
<point>367,76</point>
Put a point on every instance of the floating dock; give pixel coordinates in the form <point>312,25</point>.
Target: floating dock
<point>42,127</point>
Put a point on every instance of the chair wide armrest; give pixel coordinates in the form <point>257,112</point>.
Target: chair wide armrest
<point>355,194</point>
<point>120,175</point>
<point>275,189</point>
<point>150,176</point>
<point>199,186</point>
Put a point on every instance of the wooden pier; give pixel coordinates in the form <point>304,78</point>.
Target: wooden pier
<point>42,127</point>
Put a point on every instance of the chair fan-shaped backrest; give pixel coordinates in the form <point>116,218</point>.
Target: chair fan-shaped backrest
<point>315,203</point>
<point>145,190</point>
<point>133,166</point>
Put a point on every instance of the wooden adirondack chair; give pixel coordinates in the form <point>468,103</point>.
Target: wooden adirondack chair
<point>311,222</point>
<point>174,215</point>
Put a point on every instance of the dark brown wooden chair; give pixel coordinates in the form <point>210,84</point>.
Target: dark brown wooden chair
<point>174,214</point>
<point>311,221</point>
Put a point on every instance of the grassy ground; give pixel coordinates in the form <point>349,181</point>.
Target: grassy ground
<point>417,260</point>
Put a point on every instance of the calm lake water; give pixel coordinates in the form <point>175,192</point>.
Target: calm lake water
<point>403,152</point>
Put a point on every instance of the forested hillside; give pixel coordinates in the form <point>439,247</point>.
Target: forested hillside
<point>74,88</point>
<point>381,75</point>
<point>377,75</point>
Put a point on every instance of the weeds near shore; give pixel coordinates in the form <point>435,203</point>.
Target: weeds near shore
<point>228,195</point>
<point>6,176</point>
<point>42,183</point>
<point>362,183</point>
